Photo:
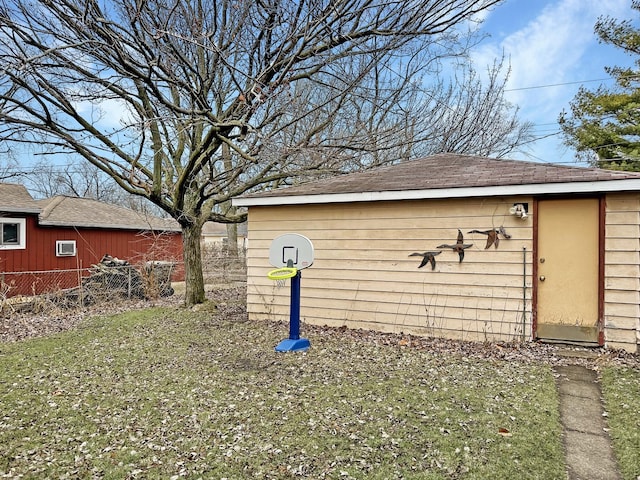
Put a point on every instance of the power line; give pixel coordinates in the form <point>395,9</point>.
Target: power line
<point>556,84</point>
<point>566,83</point>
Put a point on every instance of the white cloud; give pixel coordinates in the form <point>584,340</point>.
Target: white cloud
<point>551,48</point>
<point>550,42</point>
<point>107,114</point>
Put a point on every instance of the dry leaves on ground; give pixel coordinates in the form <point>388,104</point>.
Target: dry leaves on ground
<point>230,302</point>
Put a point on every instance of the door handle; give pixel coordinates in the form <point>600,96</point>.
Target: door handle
<point>542,278</point>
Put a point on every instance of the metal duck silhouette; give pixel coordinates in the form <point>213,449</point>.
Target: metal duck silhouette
<point>459,246</point>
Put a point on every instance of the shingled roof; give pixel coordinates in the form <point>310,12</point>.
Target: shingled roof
<point>67,211</point>
<point>215,229</point>
<point>85,212</point>
<point>450,175</point>
<point>16,199</point>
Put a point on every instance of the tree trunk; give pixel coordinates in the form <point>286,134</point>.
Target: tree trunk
<point>232,239</point>
<point>194,280</point>
<point>232,228</point>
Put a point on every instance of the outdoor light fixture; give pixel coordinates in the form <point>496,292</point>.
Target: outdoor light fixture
<point>520,210</point>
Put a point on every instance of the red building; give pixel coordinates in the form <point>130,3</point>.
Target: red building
<point>52,243</point>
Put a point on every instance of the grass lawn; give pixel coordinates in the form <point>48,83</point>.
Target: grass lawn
<point>621,391</point>
<point>171,393</point>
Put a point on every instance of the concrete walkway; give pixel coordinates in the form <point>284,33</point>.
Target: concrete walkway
<point>586,441</point>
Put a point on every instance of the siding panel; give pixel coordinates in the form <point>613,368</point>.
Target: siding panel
<point>622,271</point>
<point>363,276</point>
<point>91,245</point>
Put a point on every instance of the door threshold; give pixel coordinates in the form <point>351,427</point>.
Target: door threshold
<point>573,343</point>
<point>569,334</point>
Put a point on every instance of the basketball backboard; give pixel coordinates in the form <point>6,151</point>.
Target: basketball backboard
<point>291,250</point>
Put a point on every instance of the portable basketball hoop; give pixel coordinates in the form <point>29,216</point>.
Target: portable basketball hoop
<point>290,253</point>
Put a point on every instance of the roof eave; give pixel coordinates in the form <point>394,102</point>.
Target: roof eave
<point>25,211</point>
<point>146,228</point>
<point>602,186</point>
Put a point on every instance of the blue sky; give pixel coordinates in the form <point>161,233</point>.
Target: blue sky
<point>552,50</point>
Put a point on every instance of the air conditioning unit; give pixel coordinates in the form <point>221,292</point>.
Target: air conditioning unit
<point>65,248</point>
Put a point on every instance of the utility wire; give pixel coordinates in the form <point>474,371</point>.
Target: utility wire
<point>66,167</point>
<point>567,83</point>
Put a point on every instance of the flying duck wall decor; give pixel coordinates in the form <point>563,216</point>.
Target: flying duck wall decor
<point>459,246</point>
<point>493,236</point>
<point>427,257</point>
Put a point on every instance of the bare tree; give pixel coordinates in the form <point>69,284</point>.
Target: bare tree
<point>8,165</point>
<point>9,171</point>
<point>149,91</point>
<point>469,115</point>
<point>81,179</point>
<point>47,179</point>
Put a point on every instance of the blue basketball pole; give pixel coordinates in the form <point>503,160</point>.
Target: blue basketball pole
<point>294,343</point>
<point>294,308</point>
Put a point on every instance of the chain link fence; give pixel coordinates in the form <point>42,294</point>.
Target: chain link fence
<point>13,284</point>
<point>221,266</point>
<point>113,278</point>
<point>36,290</point>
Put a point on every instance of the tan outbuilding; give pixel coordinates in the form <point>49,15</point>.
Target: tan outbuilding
<point>550,252</point>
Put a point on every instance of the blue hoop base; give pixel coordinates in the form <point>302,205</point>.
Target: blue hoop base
<point>290,345</point>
